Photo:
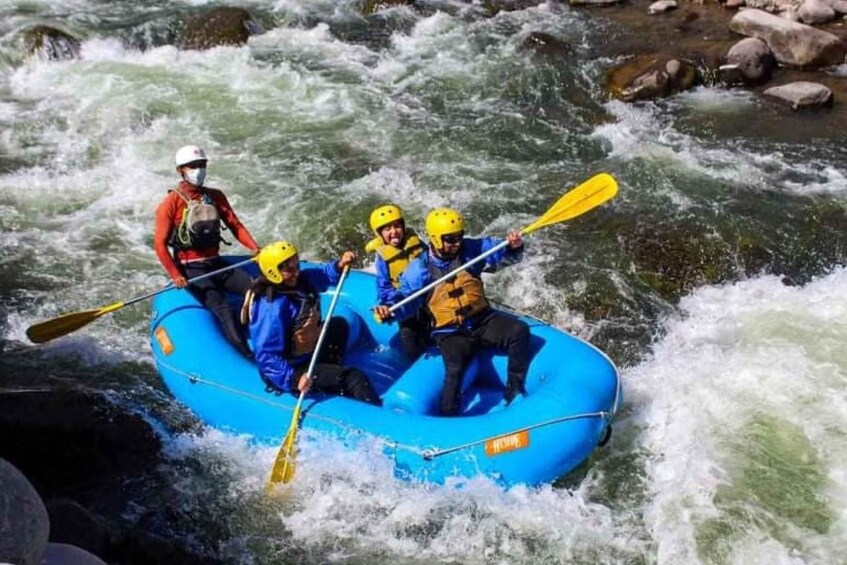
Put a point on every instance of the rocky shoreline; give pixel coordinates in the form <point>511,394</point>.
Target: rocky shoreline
<point>726,45</point>
<point>67,460</point>
<point>787,51</point>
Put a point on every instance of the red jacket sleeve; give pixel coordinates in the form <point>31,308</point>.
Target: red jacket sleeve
<point>165,222</point>
<point>231,220</point>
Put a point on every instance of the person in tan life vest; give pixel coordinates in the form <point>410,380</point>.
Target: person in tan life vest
<point>462,319</point>
<point>188,221</point>
<point>282,312</point>
<point>396,246</point>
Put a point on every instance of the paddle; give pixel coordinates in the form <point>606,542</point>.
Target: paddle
<point>577,201</point>
<point>67,323</point>
<point>283,469</point>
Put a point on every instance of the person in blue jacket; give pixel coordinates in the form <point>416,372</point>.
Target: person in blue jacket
<point>284,319</point>
<point>462,318</point>
<point>396,246</point>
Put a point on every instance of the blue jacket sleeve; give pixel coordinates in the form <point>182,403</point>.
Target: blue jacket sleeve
<point>269,326</point>
<point>385,291</point>
<point>322,278</point>
<point>502,258</point>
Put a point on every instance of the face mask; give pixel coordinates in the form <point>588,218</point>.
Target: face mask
<point>196,176</point>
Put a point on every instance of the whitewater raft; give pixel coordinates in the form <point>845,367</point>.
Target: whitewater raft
<point>573,393</point>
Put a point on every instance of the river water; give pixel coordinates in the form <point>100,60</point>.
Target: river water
<point>715,279</point>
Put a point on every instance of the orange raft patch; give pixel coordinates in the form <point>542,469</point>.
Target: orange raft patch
<point>504,444</point>
<point>164,340</point>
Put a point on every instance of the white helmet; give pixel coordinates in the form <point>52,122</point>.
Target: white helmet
<point>189,154</point>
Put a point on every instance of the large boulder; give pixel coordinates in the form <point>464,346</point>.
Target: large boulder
<point>749,61</point>
<point>800,95</point>
<point>220,26</point>
<point>593,2</point>
<point>24,525</point>
<point>66,440</point>
<point>661,7</point>
<point>815,12</point>
<point>545,44</point>
<point>50,43</point>
<point>792,43</point>
<point>64,554</point>
<point>651,76</point>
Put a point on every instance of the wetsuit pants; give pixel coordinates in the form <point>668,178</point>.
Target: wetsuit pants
<point>414,335</point>
<point>330,376</point>
<point>212,293</point>
<point>491,329</point>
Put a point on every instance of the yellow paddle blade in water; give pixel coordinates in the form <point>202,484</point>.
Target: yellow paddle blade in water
<point>283,469</point>
<point>66,323</point>
<point>590,194</point>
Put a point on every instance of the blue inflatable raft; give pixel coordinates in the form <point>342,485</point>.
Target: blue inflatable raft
<point>573,393</point>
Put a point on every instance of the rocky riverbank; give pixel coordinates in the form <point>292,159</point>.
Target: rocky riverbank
<point>80,455</point>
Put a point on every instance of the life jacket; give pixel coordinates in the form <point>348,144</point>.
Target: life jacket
<point>456,299</point>
<point>397,259</point>
<point>307,322</point>
<point>200,225</point>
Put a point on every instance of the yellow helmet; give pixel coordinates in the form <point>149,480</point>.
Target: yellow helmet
<point>442,221</point>
<point>384,215</point>
<point>272,256</point>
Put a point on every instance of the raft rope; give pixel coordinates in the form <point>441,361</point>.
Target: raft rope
<point>426,454</point>
<point>429,454</point>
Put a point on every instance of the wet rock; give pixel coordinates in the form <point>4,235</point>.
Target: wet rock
<point>839,6</point>
<point>749,61</point>
<point>651,76</point>
<point>71,523</point>
<point>801,95</point>
<point>773,6</point>
<point>373,6</point>
<point>492,7</point>
<point>790,14</point>
<point>24,525</point>
<point>545,44</point>
<point>815,12</point>
<point>793,44</point>
<point>662,6</point>
<point>593,2</point>
<point>63,554</point>
<point>675,259</point>
<point>50,43</point>
<point>66,440</point>
<point>220,26</point>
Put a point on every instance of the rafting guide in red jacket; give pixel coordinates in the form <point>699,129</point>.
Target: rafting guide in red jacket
<point>189,221</point>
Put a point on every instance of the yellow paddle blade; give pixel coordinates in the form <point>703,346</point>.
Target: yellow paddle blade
<point>590,194</point>
<point>66,323</point>
<point>283,469</point>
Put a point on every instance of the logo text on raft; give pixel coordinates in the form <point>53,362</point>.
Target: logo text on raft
<point>504,444</point>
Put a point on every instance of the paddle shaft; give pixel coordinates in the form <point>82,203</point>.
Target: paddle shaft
<point>283,468</point>
<point>190,281</point>
<point>314,360</point>
<point>329,312</point>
